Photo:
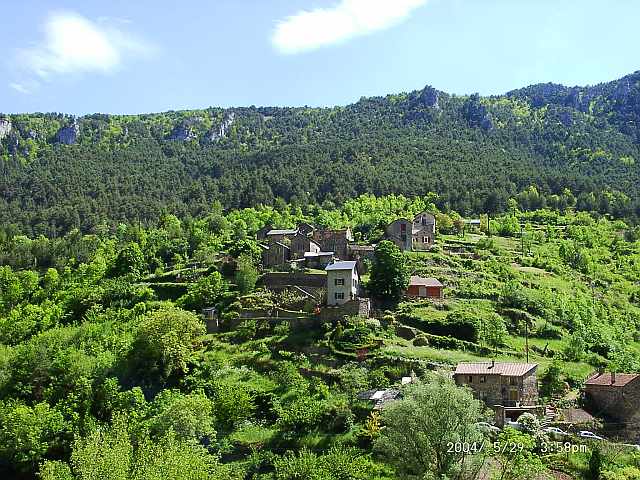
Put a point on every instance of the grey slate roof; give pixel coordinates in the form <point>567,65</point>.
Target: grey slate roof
<point>282,232</point>
<point>346,265</point>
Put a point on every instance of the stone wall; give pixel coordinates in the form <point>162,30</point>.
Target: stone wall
<point>279,280</point>
<point>358,307</point>
<point>617,403</point>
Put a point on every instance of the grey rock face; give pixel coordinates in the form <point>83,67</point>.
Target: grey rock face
<point>182,133</point>
<point>429,97</point>
<point>223,130</point>
<point>13,144</point>
<point>5,127</point>
<point>476,113</point>
<point>68,135</point>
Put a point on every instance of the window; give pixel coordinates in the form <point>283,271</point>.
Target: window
<point>425,239</point>
<point>424,221</point>
<point>403,227</point>
<point>513,380</point>
<point>483,379</point>
<point>470,379</point>
<point>355,283</point>
<point>339,281</point>
<point>339,295</point>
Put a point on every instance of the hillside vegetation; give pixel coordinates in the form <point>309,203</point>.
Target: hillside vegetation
<point>106,370</point>
<point>60,173</point>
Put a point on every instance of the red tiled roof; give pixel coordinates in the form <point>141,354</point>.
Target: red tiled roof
<point>607,379</point>
<point>497,368</point>
<point>424,282</point>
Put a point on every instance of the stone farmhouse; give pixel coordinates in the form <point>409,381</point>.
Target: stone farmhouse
<point>416,235</point>
<point>614,395</point>
<point>276,253</point>
<point>510,389</point>
<point>302,244</point>
<point>313,247</point>
<point>336,241</point>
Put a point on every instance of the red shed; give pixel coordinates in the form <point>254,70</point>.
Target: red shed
<point>424,287</point>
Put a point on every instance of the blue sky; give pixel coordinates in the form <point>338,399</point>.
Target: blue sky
<point>134,56</point>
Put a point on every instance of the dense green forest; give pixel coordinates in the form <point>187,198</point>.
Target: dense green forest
<point>107,372</point>
<point>59,173</point>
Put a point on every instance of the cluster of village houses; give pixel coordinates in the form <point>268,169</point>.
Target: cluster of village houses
<point>510,389</point>
<point>336,252</point>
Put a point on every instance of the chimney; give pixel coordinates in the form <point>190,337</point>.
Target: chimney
<point>493,363</point>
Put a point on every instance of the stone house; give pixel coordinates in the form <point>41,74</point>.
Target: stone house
<point>301,244</point>
<point>416,235</point>
<point>318,259</point>
<point>400,232</point>
<point>420,287</point>
<point>423,231</point>
<point>262,233</point>
<point>360,253</point>
<point>614,395</point>
<point>306,228</point>
<point>343,282</point>
<point>510,389</point>
<point>336,241</point>
<point>279,235</point>
<point>275,254</point>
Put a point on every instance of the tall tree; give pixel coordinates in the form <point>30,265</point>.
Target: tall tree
<point>389,272</point>
<point>420,429</point>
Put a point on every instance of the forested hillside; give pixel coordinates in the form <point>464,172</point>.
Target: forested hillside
<point>60,173</point>
<point>107,370</point>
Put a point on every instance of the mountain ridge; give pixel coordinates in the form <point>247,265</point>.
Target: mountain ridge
<point>61,172</point>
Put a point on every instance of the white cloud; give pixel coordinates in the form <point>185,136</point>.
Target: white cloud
<point>312,29</point>
<point>19,87</point>
<point>75,44</point>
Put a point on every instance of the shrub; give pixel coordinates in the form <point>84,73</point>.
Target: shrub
<point>548,332</point>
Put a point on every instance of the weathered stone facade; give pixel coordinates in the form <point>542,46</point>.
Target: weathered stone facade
<point>278,280</point>
<point>275,254</point>
<point>301,244</point>
<point>417,235</point>
<point>423,231</point>
<point>359,306</point>
<point>506,384</point>
<point>614,395</point>
<point>336,241</point>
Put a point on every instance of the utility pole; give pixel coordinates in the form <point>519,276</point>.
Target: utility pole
<point>526,338</point>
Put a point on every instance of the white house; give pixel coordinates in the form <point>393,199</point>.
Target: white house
<point>343,282</point>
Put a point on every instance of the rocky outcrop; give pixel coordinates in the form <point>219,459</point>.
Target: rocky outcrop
<point>183,132</point>
<point>429,97</point>
<point>5,127</point>
<point>13,143</point>
<point>408,333</point>
<point>476,113</point>
<point>223,130</point>
<point>68,135</point>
